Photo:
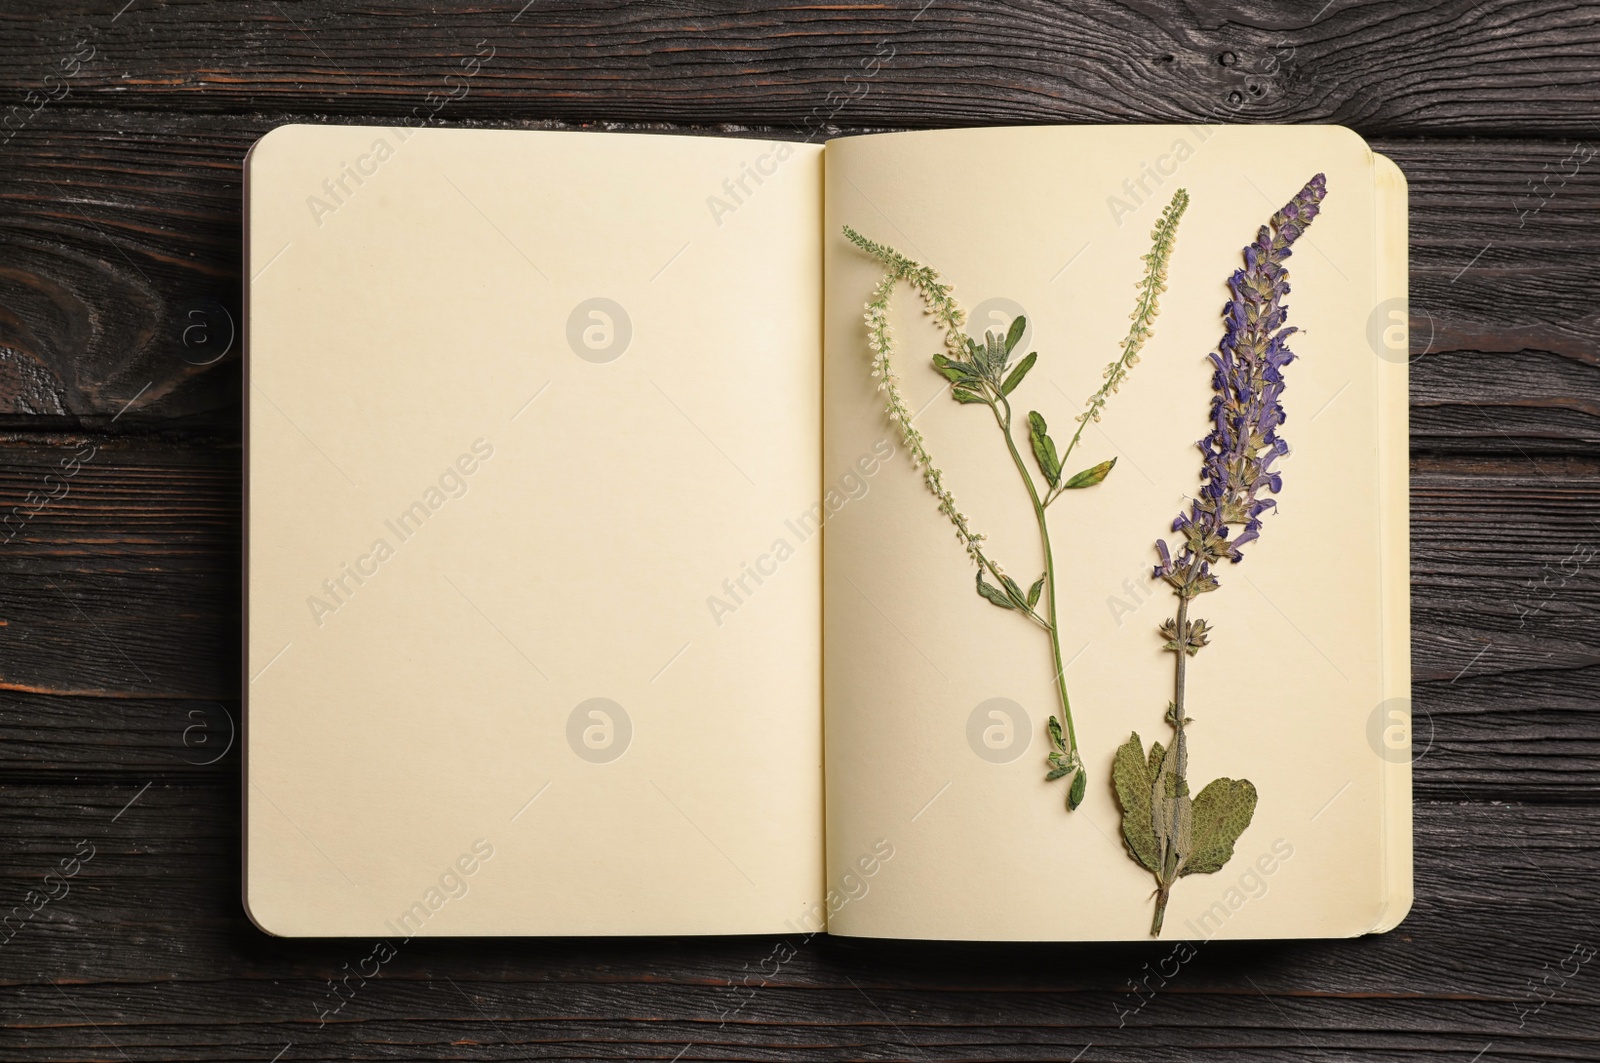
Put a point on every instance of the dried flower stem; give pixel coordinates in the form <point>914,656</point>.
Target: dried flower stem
<point>1189,836</point>
<point>938,302</point>
<point>984,374</point>
<point>1151,285</point>
<point>1170,855</point>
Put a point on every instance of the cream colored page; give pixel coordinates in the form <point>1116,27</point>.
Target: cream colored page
<point>1394,727</point>
<point>521,405</point>
<point>1056,220</point>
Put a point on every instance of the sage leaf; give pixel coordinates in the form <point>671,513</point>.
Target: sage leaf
<point>1131,779</point>
<point>1019,325</point>
<point>1034,592</point>
<point>1171,812</point>
<point>1222,811</point>
<point>1090,477</point>
<point>1044,448</point>
<point>1015,376</point>
<point>993,594</point>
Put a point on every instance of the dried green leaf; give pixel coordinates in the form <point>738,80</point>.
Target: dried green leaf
<point>1044,448</point>
<point>993,594</point>
<point>1034,592</point>
<point>1080,785</point>
<point>1057,772</point>
<point>1014,592</point>
<point>1090,477</point>
<point>966,396</point>
<point>994,354</point>
<point>954,371</point>
<point>1131,779</point>
<point>1054,727</point>
<point>1171,811</point>
<point>1015,376</point>
<point>1221,813</point>
<point>1019,325</point>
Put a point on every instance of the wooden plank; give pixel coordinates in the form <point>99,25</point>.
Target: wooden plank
<point>117,741</point>
<point>121,562</point>
<point>1481,224</point>
<point>462,1019</point>
<point>1501,67</point>
<point>152,944</point>
<point>119,293</point>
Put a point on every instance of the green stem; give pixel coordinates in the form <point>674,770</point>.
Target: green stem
<point>1143,314</point>
<point>1053,625</point>
<point>1169,868</point>
<point>1183,660</point>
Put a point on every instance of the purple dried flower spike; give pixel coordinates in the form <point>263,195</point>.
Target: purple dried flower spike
<point>1169,832</point>
<point>1247,409</point>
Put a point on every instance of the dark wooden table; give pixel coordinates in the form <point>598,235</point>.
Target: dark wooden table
<point>120,481</point>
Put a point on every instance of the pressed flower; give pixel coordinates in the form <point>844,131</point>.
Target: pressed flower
<point>1246,407</point>
<point>1167,831</point>
<point>985,374</point>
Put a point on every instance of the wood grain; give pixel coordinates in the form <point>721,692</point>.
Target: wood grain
<point>119,602</point>
<point>163,878</point>
<point>122,578</point>
<point>1503,67</point>
<point>176,838</point>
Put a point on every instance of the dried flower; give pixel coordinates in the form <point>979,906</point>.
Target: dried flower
<point>1151,284</point>
<point>1247,408</point>
<point>1167,832</point>
<point>937,300</point>
<point>984,374</point>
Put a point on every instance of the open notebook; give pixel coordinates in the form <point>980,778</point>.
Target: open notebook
<point>594,588</point>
